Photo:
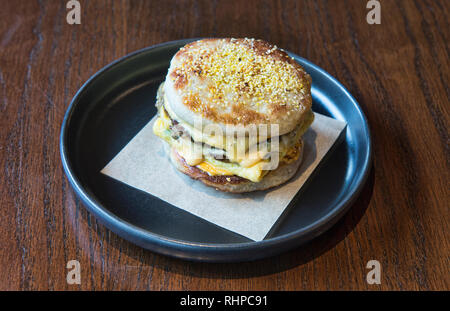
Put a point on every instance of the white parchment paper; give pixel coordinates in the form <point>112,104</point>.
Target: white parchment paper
<point>143,164</point>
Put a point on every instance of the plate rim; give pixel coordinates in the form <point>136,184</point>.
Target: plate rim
<point>189,249</point>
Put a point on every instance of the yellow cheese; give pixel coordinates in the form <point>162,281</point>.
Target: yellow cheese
<point>161,130</point>
<point>252,171</point>
<point>210,165</point>
<point>212,170</point>
<point>237,149</point>
<point>192,154</point>
<point>165,118</point>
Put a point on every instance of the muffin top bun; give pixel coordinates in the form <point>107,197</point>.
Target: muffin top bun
<point>236,83</point>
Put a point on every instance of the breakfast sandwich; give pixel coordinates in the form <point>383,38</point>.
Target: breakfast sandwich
<point>233,113</point>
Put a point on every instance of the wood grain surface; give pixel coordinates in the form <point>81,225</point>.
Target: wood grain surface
<point>398,71</point>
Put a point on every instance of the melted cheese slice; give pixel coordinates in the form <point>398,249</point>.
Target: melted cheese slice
<point>208,164</point>
<point>242,150</point>
<point>212,170</point>
<point>249,167</point>
<point>193,156</point>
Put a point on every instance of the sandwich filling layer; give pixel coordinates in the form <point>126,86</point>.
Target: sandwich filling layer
<point>220,155</point>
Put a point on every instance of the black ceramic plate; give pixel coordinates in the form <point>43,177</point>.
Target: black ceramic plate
<point>114,104</point>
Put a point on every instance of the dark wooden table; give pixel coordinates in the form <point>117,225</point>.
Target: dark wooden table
<point>398,71</point>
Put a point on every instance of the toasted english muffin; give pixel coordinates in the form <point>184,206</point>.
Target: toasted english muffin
<point>237,83</point>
